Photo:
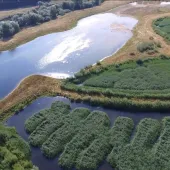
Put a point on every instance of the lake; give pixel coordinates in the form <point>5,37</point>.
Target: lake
<point>62,54</point>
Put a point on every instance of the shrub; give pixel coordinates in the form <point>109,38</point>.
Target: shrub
<point>8,28</point>
<point>69,5</point>
<point>145,46</point>
<point>53,12</point>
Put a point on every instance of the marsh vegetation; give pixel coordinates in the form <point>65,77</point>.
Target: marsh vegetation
<point>142,79</point>
<point>83,139</point>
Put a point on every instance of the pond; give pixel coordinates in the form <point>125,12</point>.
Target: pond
<point>45,102</point>
<point>62,54</point>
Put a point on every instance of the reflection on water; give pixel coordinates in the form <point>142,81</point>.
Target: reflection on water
<point>65,53</point>
<point>45,102</point>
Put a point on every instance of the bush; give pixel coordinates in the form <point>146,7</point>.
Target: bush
<point>8,28</point>
<point>145,46</point>
<point>69,5</point>
<point>53,12</point>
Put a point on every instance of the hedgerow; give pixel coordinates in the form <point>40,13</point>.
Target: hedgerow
<point>14,151</point>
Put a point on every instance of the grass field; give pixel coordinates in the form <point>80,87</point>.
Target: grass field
<point>85,139</point>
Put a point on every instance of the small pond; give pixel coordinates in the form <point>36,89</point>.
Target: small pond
<point>62,54</point>
<point>45,102</point>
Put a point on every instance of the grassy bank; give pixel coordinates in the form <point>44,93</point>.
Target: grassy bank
<point>61,24</point>
<point>59,130</point>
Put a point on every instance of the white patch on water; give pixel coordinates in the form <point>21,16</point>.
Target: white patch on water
<point>69,45</point>
<point>165,3</point>
<point>133,3</point>
<point>57,75</point>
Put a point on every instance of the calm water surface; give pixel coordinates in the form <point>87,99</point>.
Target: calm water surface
<point>37,158</point>
<point>62,54</point>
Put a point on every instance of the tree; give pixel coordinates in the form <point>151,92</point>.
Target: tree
<point>53,12</point>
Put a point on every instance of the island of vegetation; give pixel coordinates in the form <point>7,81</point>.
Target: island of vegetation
<point>15,153</point>
<point>85,139</point>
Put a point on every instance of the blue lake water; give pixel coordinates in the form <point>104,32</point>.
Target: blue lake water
<point>62,54</point>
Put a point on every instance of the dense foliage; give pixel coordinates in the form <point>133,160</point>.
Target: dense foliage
<point>45,11</point>
<point>14,151</point>
<point>162,27</point>
<point>116,85</point>
<point>85,139</point>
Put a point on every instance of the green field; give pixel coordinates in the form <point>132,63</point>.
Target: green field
<point>146,80</point>
<point>83,139</point>
<point>162,27</point>
<point>14,151</point>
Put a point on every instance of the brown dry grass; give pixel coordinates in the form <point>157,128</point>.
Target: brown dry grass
<point>61,24</point>
<point>6,13</point>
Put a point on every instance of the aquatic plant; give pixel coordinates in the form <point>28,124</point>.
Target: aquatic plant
<point>86,139</point>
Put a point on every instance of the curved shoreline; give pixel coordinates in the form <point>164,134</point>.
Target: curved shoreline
<point>63,23</point>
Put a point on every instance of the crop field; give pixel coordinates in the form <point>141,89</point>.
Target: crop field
<point>83,139</point>
<point>14,151</point>
<point>162,27</point>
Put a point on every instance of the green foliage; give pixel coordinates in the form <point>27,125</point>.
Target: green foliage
<point>141,79</point>
<point>56,142</point>
<point>14,151</point>
<point>54,119</point>
<point>85,139</point>
<point>162,27</point>
<point>145,46</point>
<point>95,125</point>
